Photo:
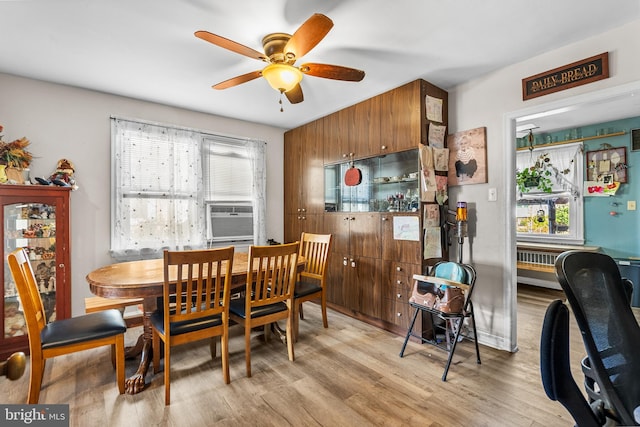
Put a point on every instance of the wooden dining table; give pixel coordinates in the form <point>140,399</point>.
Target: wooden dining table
<point>144,279</point>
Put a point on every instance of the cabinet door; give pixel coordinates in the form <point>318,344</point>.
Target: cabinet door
<point>337,224</point>
<point>368,286</point>
<point>398,249</point>
<point>401,121</point>
<point>293,145</point>
<point>38,222</point>
<point>336,136</point>
<point>397,283</point>
<point>311,171</point>
<point>364,235</point>
<point>365,128</point>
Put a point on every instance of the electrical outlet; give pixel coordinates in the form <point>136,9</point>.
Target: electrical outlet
<point>631,205</point>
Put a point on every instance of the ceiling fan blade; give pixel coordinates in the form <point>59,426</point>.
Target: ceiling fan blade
<point>308,35</point>
<point>335,72</point>
<point>237,80</point>
<point>231,45</point>
<point>295,95</point>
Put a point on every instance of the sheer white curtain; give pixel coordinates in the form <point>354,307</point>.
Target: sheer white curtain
<point>163,178</point>
<point>256,150</point>
<point>156,188</point>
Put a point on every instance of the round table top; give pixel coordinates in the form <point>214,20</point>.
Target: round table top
<point>144,278</point>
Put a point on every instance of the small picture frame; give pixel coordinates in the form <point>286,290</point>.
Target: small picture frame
<point>607,178</point>
<point>635,139</point>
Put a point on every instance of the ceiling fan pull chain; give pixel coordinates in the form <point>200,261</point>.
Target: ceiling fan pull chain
<point>280,102</point>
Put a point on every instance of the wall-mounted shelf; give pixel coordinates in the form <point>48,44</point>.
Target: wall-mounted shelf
<point>569,141</point>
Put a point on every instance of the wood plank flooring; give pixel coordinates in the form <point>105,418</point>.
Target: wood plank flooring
<point>347,375</point>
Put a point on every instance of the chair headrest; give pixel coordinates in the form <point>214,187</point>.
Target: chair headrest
<point>451,271</point>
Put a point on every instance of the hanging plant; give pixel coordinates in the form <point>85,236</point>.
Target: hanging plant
<point>536,176</point>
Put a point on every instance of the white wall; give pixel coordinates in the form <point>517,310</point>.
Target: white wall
<point>490,101</point>
<point>62,121</point>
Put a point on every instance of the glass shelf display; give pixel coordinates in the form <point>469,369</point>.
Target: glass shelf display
<point>31,226</point>
<point>390,183</point>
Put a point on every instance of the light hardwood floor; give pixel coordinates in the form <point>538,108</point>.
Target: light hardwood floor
<point>347,375</point>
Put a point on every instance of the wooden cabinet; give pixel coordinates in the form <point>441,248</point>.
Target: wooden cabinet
<point>370,271</point>
<point>35,218</point>
<point>303,180</point>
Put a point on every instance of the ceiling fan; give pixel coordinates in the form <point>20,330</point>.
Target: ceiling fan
<point>281,51</point>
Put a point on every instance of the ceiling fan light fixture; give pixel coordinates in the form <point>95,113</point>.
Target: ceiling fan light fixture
<point>282,77</point>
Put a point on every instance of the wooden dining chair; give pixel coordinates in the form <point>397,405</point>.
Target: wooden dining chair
<point>268,297</point>
<point>311,283</point>
<point>51,339</point>
<point>196,293</point>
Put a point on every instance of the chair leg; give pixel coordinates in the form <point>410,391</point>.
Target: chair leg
<point>35,378</point>
<point>406,339</point>
<point>300,311</point>
<point>458,329</point>
<point>118,349</point>
<point>212,347</point>
<point>323,305</point>
<point>155,345</point>
<point>290,322</point>
<point>247,345</point>
<point>224,344</point>
<point>475,334</point>
<point>167,370</point>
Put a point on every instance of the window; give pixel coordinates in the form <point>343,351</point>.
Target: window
<point>555,215</point>
<point>180,188</point>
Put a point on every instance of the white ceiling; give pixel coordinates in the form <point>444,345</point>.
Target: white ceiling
<point>146,49</point>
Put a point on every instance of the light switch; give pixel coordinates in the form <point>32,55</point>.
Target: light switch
<point>493,194</point>
<point>631,205</point>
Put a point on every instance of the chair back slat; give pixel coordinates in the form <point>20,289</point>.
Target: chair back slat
<point>196,283</point>
<point>271,274</point>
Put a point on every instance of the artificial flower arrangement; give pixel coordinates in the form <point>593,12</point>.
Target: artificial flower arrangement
<point>14,154</point>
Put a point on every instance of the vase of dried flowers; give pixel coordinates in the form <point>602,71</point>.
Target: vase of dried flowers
<point>15,157</point>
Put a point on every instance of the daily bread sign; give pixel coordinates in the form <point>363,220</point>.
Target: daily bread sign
<point>572,75</point>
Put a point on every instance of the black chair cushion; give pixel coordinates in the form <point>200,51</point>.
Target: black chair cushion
<point>304,288</point>
<point>237,307</point>
<point>83,328</point>
<point>185,326</point>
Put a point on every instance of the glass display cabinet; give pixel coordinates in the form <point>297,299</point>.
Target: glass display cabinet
<point>390,183</point>
<point>35,218</point>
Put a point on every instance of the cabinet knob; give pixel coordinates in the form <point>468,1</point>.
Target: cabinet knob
<point>399,282</point>
<point>384,147</point>
<point>298,209</point>
<point>353,218</point>
<point>399,296</point>
<point>303,217</point>
<point>384,218</point>
<point>353,263</point>
<point>346,218</point>
<point>345,261</point>
<point>399,314</point>
<point>60,265</point>
<point>398,268</point>
<point>344,155</point>
<point>303,210</point>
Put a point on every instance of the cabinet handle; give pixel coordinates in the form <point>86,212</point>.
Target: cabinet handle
<point>353,263</point>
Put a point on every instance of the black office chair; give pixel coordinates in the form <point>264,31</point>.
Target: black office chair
<point>600,301</point>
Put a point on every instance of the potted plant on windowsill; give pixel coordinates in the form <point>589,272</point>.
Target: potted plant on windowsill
<point>536,176</point>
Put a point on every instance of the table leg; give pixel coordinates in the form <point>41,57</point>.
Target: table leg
<point>135,383</point>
